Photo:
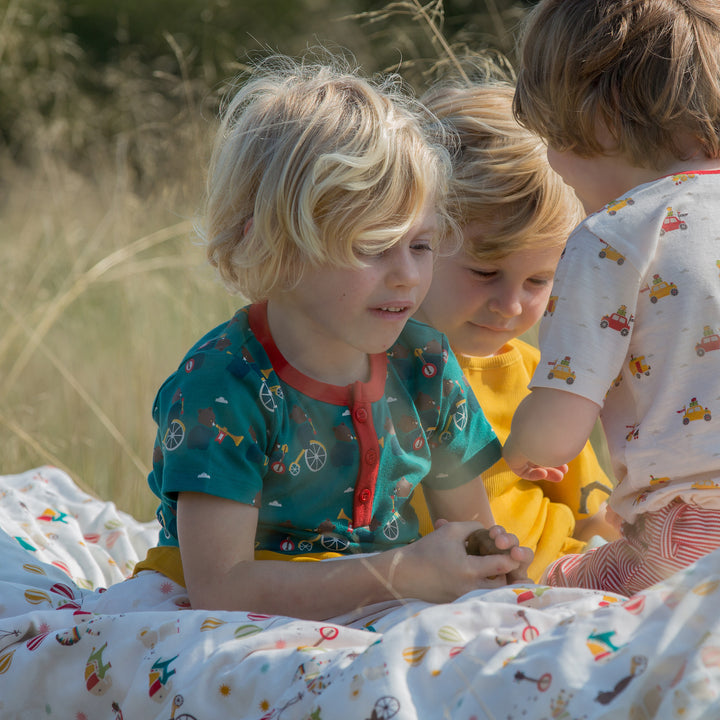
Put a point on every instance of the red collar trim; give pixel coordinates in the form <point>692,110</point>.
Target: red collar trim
<point>370,391</point>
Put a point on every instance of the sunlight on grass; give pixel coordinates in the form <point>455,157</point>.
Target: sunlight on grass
<point>97,308</point>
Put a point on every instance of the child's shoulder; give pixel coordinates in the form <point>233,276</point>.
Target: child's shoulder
<point>231,332</point>
<point>632,223</point>
<point>231,351</point>
<point>654,198</point>
<point>227,346</point>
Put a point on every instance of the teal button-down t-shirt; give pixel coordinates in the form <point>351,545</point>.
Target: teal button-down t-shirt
<point>330,468</point>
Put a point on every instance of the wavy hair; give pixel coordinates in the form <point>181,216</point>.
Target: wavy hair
<point>501,180</point>
<point>314,165</point>
<point>647,70</point>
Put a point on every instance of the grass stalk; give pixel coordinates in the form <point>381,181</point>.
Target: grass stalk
<point>440,37</point>
<point>53,310</point>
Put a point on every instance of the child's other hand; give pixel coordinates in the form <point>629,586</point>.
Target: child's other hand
<point>537,472</point>
<point>523,468</point>
<point>508,543</point>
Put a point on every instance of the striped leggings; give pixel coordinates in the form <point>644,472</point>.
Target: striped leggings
<point>657,545</point>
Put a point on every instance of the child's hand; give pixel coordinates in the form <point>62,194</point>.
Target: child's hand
<point>537,472</point>
<point>523,468</point>
<point>549,428</point>
<point>507,542</point>
<point>480,542</point>
<point>437,568</point>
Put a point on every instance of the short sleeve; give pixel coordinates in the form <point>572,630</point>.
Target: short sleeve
<point>587,335</point>
<point>212,429</point>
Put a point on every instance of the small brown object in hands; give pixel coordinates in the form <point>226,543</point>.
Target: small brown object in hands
<point>479,542</point>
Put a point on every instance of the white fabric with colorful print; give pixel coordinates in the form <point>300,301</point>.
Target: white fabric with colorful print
<point>68,649</point>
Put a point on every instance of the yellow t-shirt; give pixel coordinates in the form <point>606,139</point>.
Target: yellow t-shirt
<point>541,514</point>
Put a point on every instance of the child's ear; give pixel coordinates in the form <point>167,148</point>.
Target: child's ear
<point>606,134</point>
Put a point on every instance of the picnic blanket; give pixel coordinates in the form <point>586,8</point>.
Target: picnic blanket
<point>79,641</point>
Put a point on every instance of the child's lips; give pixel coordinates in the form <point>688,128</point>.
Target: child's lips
<point>493,328</point>
<point>394,309</point>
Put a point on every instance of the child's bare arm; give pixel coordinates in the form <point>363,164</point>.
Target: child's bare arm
<point>466,502</point>
<point>549,428</point>
<point>217,542</point>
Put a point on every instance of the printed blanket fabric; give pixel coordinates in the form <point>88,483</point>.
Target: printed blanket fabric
<point>79,641</point>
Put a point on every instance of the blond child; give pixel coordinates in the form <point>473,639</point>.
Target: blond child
<point>299,428</point>
<point>515,214</point>
<point>627,97</point>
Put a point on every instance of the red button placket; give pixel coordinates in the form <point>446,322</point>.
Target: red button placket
<point>361,413</point>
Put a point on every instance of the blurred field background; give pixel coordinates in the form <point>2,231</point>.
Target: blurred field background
<point>107,109</point>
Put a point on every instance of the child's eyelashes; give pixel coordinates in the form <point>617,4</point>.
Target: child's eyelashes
<point>423,246</point>
<point>484,274</point>
<point>418,246</point>
<point>489,274</point>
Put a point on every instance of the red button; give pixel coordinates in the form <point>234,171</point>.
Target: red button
<point>361,415</point>
<point>364,496</point>
<point>371,457</point>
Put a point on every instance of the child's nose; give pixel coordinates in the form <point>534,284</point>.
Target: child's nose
<point>507,303</point>
<point>404,268</point>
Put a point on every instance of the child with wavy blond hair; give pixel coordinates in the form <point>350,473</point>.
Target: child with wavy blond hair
<point>298,429</point>
<point>626,94</point>
<point>515,215</point>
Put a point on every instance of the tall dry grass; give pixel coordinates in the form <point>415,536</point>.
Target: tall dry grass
<point>102,293</point>
<point>103,286</point>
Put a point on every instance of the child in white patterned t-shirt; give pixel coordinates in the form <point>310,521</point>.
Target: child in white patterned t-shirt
<point>634,329</point>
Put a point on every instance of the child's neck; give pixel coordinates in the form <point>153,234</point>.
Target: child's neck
<point>315,356</point>
<point>696,163</point>
<point>628,176</point>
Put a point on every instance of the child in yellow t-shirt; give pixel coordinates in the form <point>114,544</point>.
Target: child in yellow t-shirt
<point>516,214</point>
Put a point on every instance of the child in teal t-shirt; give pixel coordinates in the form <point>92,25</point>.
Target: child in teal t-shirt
<point>301,426</point>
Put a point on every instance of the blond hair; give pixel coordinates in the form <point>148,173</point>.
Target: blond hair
<point>646,70</point>
<point>501,179</point>
<point>315,165</point>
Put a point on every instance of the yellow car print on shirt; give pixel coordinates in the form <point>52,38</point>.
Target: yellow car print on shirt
<point>662,289</point>
<point>695,411</point>
<point>613,207</point>
<point>562,371</point>
<point>610,253</point>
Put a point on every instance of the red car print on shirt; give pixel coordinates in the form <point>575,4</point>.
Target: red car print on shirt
<point>707,344</point>
<point>617,321</point>
<point>673,221</point>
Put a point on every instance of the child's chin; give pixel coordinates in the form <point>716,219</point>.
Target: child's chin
<point>477,349</point>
